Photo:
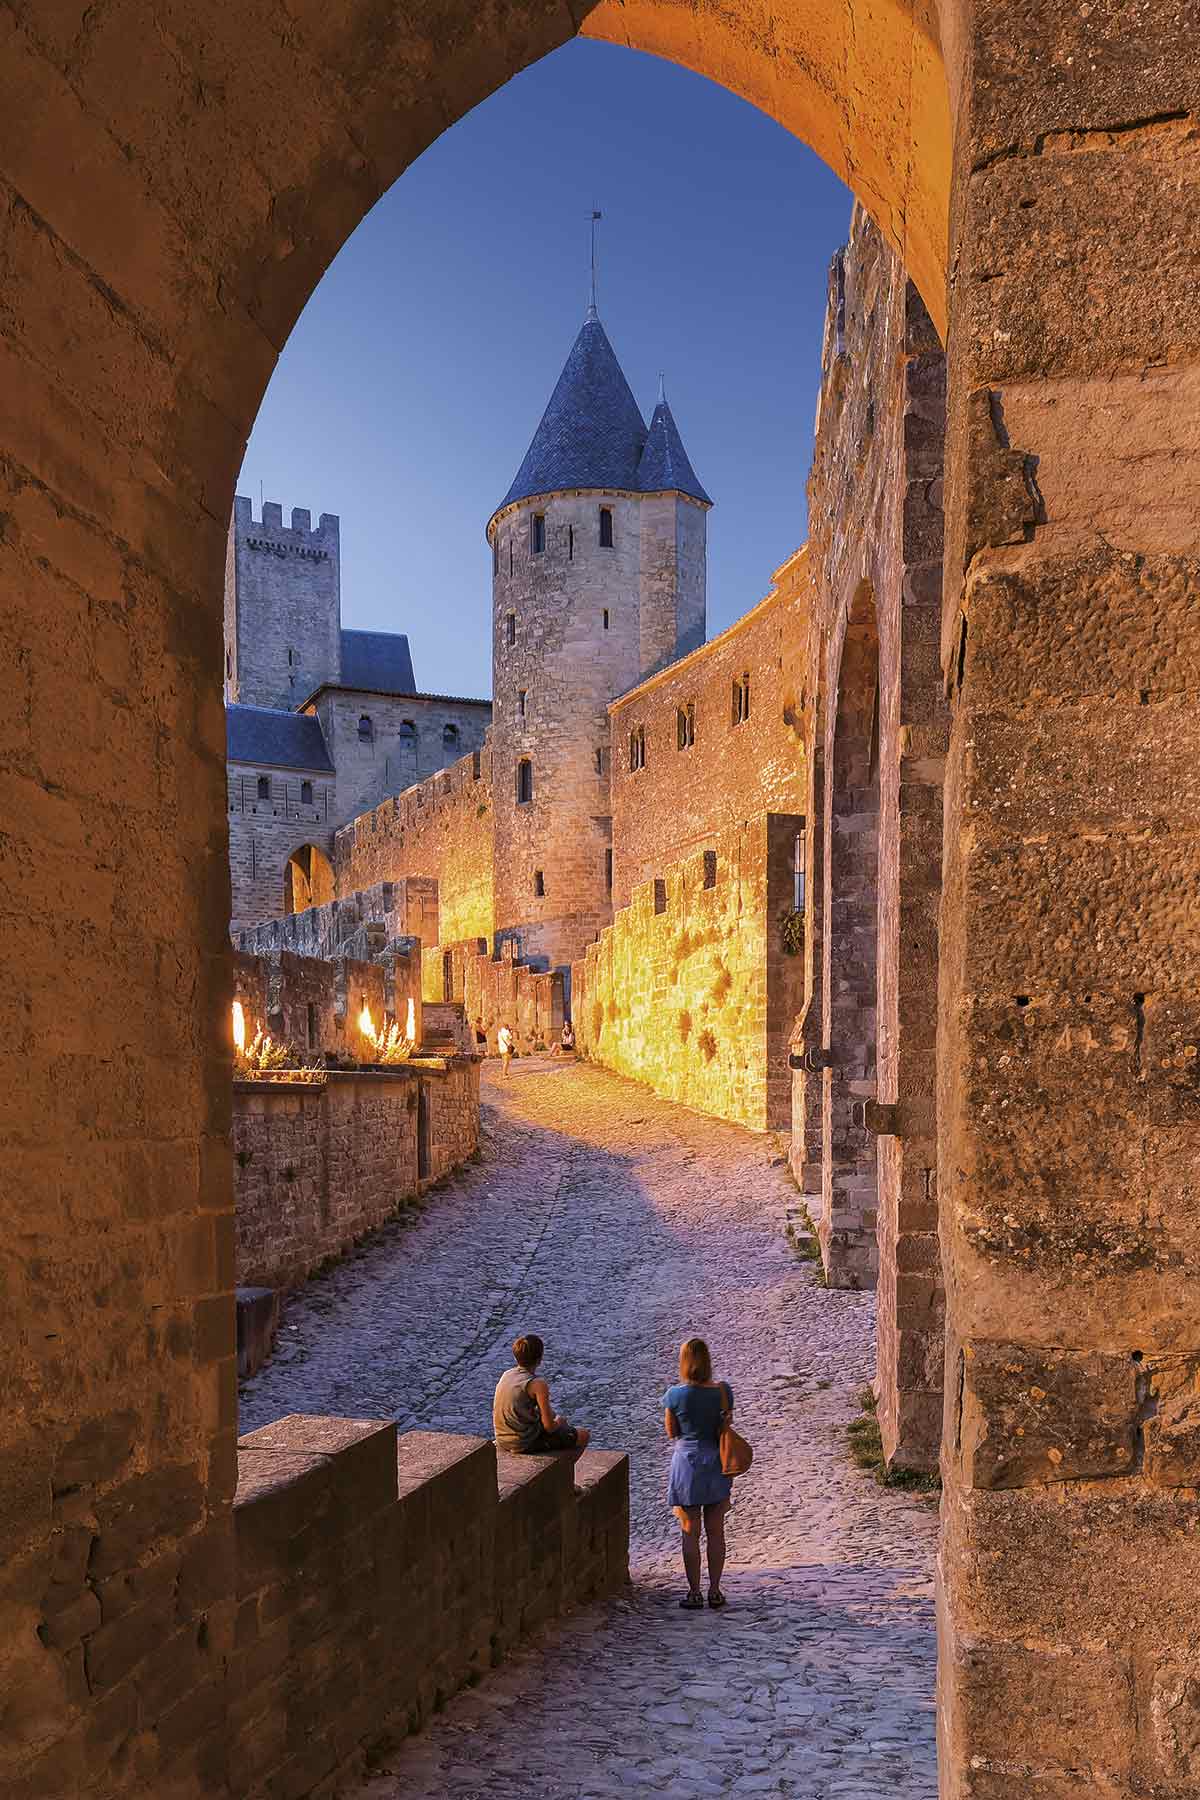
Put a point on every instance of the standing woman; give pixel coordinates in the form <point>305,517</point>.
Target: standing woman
<point>696,1408</point>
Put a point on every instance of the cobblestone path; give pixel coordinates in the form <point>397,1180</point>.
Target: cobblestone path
<point>615,1224</point>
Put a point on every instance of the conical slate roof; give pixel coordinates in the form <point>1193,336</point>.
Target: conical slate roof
<point>592,433</point>
<point>665,466</point>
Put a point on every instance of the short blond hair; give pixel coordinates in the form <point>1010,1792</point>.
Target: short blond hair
<point>695,1362</point>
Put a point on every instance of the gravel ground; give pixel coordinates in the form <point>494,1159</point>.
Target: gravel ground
<point>615,1224</point>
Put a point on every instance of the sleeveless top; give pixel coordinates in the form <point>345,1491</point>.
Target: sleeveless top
<point>516,1421</point>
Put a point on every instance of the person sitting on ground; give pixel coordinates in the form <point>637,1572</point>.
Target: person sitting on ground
<point>523,1420</point>
<point>480,1036</point>
<point>696,1409</point>
<point>504,1043</point>
<point>566,1043</point>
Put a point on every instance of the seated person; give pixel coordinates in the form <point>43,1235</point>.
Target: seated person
<point>524,1422</point>
<point>566,1043</point>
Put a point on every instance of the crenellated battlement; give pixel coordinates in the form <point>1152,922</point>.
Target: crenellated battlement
<point>271,534</point>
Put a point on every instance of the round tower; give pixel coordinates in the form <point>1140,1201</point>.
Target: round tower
<point>582,587</point>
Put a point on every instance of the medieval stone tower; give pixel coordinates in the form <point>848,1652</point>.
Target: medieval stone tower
<point>282,606</point>
<point>598,578</point>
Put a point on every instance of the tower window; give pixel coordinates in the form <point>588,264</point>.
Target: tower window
<point>450,736</point>
<point>798,873</point>
<point>228,662</point>
<point>539,883</point>
<point>264,787</point>
<point>310,1020</point>
<point>600,762</point>
<point>637,748</point>
<point>539,533</point>
<point>510,554</point>
<point>524,781</point>
<point>606,535</point>
<point>306,793</point>
<point>291,657</point>
<point>606,618</point>
<point>660,895</point>
<point>366,731</point>
<point>496,554</point>
<point>522,696</point>
<point>741,699</point>
<point>510,628</point>
<point>608,870</point>
<point>710,868</point>
<point>407,732</point>
<point>685,726</point>
<point>570,543</point>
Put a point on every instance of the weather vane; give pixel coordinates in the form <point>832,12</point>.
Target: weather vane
<point>595,217</point>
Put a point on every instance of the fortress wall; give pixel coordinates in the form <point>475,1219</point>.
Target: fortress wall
<point>283,616</point>
<point>689,989</point>
<point>442,829</point>
<point>683,799</point>
<point>263,833</point>
<point>407,740</point>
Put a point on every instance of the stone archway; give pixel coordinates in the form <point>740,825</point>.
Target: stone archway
<point>307,879</point>
<point>175,186</point>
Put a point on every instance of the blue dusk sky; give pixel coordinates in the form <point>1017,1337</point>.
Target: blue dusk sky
<point>411,386</point>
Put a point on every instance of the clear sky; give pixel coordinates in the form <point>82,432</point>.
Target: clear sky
<point>411,386</point>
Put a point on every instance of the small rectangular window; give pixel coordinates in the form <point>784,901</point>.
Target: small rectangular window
<point>606,528</point>
<point>496,554</point>
<point>710,868</point>
<point>741,699</point>
<point>306,793</point>
<point>685,726</point>
<point>637,748</point>
<point>660,895</point>
<point>521,693</point>
<point>510,628</point>
<point>539,883</point>
<point>510,556</point>
<point>539,533</point>
<point>599,762</point>
<point>608,870</point>
<point>311,1024</point>
<point>524,781</point>
<point>264,787</point>
<point>570,543</point>
<point>798,872</point>
<point>606,618</point>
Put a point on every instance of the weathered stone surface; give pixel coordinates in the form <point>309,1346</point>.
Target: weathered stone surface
<point>1050,1415</point>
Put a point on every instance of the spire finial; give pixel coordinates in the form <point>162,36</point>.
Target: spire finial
<point>662,388</point>
<point>591,311</point>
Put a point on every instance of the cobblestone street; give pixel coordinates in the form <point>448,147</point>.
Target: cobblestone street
<point>615,1225</point>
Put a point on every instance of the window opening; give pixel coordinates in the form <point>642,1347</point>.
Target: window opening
<point>264,787</point>
<point>510,628</point>
<point>606,618</point>
<point>539,883</point>
<point>798,872</point>
<point>741,699</point>
<point>306,793</point>
<point>366,731</point>
<point>408,731</point>
<point>291,657</point>
<point>710,868</point>
<point>510,556</point>
<point>450,736</point>
<point>570,543</point>
<point>524,781</point>
<point>685,726</point>
<point>539,533</point>
<point>608,870</point>
<point>228,662</point>
<point>606,528</point>
<point>310,1025</point>
<point>660,895</point>
<point>522,694</point>
<point>600,762</point>
<point>637,748</point>
<point>496,554</point>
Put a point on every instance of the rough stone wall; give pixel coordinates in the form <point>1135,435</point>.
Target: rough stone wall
<point>677,993</point>
<point>316,1005</point>
<point>672,589</point>
<point>875,508</point>
<point>283,618</point>
<point>442,829</point>
<point>683,799</point>
<point>323,1159</point>
<point>389,760</point>
<point>360,925</point>
<point>378,1575</point>
<point>264,833</point>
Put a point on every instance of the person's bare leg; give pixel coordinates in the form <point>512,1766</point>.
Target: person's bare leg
<point>714,1531</point>
<point>689,1525</point>
<point>583,1438</point>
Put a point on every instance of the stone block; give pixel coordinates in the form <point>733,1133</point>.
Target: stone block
<point>257,1324</point>
<point>1172,1429</point>
<point>1076,1707</point>
<point>361,1452</point>
<point>1033,1415</point>
<point>1175,1724</point>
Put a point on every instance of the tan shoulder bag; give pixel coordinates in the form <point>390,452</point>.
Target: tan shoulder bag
<point>736,1454</point>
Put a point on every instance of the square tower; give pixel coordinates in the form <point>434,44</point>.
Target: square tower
<point>283,605</point>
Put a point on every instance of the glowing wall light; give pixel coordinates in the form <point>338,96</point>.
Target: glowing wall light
<point>239,1027</point>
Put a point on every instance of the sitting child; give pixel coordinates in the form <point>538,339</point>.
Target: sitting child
<point>524,1422</point>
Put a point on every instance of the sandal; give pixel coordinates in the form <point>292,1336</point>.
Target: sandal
<point>693,1602</point>
<point>716,1597</point>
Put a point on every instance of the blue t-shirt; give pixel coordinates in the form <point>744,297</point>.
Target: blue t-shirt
<point>698,1409</point>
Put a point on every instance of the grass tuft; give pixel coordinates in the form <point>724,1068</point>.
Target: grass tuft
<point>866,1450</point>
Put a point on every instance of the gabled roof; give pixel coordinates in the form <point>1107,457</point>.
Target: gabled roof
<point>378,661</point>
<point>665,467</point>
<point>592,433</point>
<point>285,740</point>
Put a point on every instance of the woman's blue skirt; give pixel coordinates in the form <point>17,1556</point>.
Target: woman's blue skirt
<point>696,1478</point>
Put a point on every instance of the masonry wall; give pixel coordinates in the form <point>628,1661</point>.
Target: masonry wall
<point>411,737</point>
<point>444,830</point>
<point>316,1005</point>
<point>683,798</point>
<point>322,1159</point>
<point>359,925</point>
<point>264,832</point>
<point>875,549</point>
<point>499,989</point>
<point>677,991</point>
<point>283,616</point>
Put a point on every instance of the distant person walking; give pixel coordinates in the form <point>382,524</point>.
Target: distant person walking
<point>504,1043</point>
<point>480,1037</point>
<point>523,1420</point>
<point>696,1409</point>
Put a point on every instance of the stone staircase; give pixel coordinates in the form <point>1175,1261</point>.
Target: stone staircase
<point>443,1028</point>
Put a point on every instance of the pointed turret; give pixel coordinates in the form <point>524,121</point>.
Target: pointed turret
<point>665,466</point>
<point>592,433</point>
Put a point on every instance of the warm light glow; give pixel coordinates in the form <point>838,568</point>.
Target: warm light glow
<point>410,1022</point>
<point>239,1027</point>
<point>366,1023</point>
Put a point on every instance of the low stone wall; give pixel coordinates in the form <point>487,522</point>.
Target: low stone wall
<point>376,1576</point>
<point>316,1005</point>
<point>689,989</point>
<point>322,1158</point>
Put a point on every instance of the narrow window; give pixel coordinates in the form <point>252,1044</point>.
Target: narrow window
<point>798,873</point>
<point>710,868</point>
<point>539,533</point>
<point>306,798</point>
<point>228,663</point>
<point>606,535</point>
<point>366,731</point>
<point>660,895</point>
<point>264,787</point>
<point>608,870</point>
<point>311,1025</point>
<point>450,736</point>
<point>407,732</point>
<point>741,699</point>
<point>510,628</point>
<point>521,697</point>
<point>606,618</point>
<point>637,748</point>
<point>539,883</point>
<point>510,554</point>
<point>524,781</point>
<point>570,543</point>
<point>685,726</point>
<point>291,658</point>
<point>496,554</point>
<point>599,762</point>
